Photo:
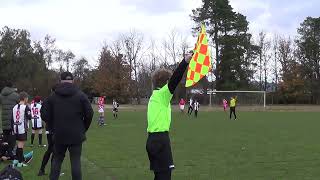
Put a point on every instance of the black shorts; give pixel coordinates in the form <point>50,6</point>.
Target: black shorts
<point>36,128</point>
<point>115,110</point>
<point>159,151</point>
<point>21,137</point>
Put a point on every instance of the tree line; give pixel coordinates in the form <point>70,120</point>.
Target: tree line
<point>287,67</point>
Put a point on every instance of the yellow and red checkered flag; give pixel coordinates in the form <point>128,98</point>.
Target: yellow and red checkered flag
<point>200,63</point>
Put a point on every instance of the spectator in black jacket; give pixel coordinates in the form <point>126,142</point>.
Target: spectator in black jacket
<point>68,113</point>
<point>8,99</point>
<point>49,151</point>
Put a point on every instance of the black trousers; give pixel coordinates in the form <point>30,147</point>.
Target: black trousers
<point>163,175</point>
<point>233,111</point>
<point>196,113</point>
<point>10,139</point>
<point>160,156</point>
<point>48,153</point>
<point>190,109</point>
<point>59,151</point>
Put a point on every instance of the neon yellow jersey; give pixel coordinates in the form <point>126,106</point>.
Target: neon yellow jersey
<point>159,110</point>
<point>233,102</point>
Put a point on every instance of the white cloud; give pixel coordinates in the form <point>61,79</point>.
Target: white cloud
<point>83,25</point>
<point>246,5</point>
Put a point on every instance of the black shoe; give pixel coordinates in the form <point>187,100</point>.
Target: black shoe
<point>41,173</point>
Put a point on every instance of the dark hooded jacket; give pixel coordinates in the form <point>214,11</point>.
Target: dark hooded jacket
<point>8,99</point>
<point>68,113</point>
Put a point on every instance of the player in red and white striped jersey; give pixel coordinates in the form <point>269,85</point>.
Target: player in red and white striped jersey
<point>101,104</point>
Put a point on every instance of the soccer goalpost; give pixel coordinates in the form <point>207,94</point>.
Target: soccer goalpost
<point>246,98</point>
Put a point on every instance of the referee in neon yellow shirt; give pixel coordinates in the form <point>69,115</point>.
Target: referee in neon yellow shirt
<point>158,145</point>
<point>233,103</point>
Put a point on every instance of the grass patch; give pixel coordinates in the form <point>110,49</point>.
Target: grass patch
<point>260,145</point>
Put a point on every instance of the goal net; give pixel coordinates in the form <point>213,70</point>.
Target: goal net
<point>244,98</point>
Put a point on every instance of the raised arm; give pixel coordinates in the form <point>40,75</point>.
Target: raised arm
<point>178,73</point>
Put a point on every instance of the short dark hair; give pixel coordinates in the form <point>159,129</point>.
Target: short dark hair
<point>23,95</point>
<point>160,77</point>
<point>66,76</point>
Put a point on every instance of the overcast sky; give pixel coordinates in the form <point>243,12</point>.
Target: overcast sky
<point>83,25</point>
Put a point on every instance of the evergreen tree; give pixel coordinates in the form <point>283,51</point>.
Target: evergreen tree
<point>309,51</point>
<point>234,51</point>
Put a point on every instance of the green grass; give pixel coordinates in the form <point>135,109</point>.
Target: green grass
<point>260,145</point>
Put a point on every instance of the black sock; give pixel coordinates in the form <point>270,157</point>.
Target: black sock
<point>32,138</point>
<point>40,139</point>
<point>20,155</point>
<point>101,121</point>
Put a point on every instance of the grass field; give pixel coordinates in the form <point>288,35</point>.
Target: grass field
<point>260,145</point>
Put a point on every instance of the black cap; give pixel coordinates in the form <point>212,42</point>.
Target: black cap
<point>66,76</point>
